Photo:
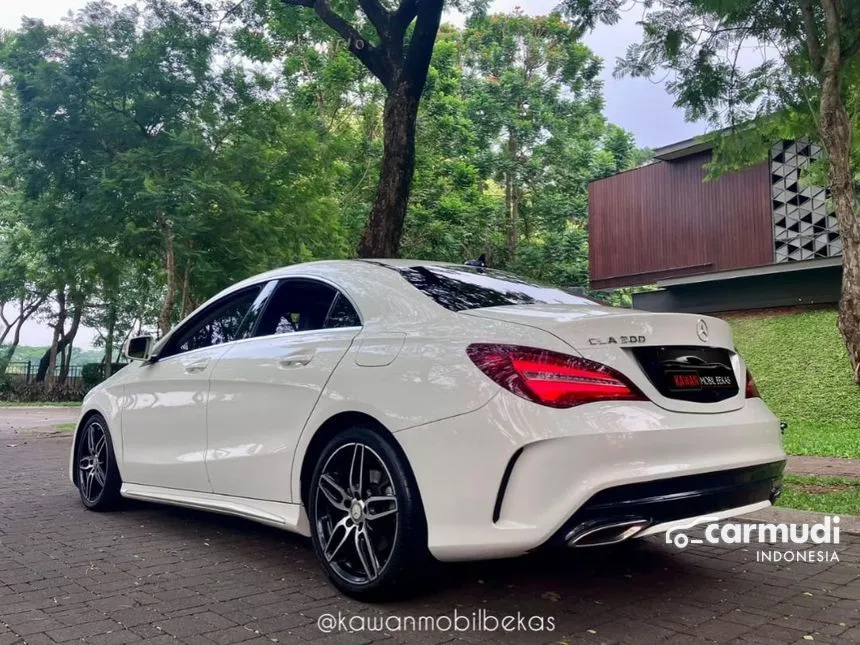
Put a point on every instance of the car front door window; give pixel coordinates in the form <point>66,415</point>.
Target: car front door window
<point>224,322</point>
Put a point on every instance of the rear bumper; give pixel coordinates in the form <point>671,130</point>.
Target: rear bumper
<point>664,501</point>
<point>513,476</point>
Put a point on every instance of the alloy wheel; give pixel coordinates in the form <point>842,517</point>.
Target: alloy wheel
<point>355,508</point>
<point>93,462</point>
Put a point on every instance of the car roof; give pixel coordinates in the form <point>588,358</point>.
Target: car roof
<point>400,264</point>
<point>320,267</point>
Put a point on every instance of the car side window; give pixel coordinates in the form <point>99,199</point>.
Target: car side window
<point>342,314</point>
<point>223,322</point>
<point>300,304</point>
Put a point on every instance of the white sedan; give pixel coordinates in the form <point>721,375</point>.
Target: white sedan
<point>397,410</point>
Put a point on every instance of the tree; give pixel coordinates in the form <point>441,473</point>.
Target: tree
<point>451,211</point>
<point>623,152</point>
<point>22,286</point>
<point>804,84</point>
<point>131,145</point>
<point>536,101</point>
<point>123,305</point>
<point>401,67</point>
<point>531,77</point>
<point>398,54</point>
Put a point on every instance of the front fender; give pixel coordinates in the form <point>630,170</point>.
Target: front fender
<point>106,401</point>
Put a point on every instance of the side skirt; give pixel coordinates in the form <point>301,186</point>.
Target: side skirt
<point>290,517</point>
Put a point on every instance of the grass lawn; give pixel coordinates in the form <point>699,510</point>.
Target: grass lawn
<point>802,371</point>
<point>823,494</point>
<point>66,427</point>
<point>39,404</point>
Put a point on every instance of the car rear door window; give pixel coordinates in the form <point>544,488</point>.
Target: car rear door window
<point>342,314</point>
<point>300,304</point>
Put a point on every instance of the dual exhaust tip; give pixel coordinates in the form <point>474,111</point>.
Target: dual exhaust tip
<point>603,533</point>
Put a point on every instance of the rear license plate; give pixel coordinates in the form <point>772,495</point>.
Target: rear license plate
<point>702,374</point>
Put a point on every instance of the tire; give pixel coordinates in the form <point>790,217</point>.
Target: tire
<point>96,474</point>
<point>373,545</point>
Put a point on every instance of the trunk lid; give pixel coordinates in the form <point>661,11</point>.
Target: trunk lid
<point>681,362</point>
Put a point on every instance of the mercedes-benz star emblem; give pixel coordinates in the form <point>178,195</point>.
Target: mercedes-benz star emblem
<point>702,330</point>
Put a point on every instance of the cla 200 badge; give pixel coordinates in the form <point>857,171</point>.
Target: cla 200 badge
<point>621,340</point>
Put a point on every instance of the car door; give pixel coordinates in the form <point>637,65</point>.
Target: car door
<point>164,407</point>
<point>264,389</point>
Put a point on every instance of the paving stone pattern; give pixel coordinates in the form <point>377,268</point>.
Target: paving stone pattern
<point>160,575</point>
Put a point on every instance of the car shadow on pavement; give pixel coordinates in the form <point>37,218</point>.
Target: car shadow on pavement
<point>628,570</point>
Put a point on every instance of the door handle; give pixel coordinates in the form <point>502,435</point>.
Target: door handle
<point>197,366</point>
<point>296,359</point>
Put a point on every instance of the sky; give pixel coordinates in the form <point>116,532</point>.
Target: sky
<point>637,105</point>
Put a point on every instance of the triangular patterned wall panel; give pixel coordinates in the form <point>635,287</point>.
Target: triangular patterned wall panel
<point>803,226</point>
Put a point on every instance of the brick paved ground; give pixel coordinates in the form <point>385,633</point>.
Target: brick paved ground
<point>29,419</point>
<point>160,575</point>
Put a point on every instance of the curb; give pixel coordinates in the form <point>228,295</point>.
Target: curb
<point>775,515</point>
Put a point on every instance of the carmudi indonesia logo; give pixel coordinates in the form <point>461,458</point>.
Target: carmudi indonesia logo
<point>816,538</point>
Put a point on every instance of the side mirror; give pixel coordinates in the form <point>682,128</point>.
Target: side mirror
<point>139,348</point>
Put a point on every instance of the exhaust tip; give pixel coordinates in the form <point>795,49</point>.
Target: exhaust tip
<point>603,533</point>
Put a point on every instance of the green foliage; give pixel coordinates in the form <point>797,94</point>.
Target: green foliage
<point>799,364</point>
<point>93,373</point>
<point>512,121</point>
<point>480,90</point>
<point>177,147</point>
<point>17,392</point>
<point>121,124</point>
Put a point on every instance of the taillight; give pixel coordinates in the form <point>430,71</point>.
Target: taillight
<point>549,378</point>
<point>751,389</point>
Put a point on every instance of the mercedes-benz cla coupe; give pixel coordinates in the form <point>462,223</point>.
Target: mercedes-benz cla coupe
<point>396,411</point>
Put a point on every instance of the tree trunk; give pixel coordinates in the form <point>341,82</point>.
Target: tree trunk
<point>56,347</point>
<point>24,312</point>
<point>512,196</point>
<point>381,236</point>
<point>836,134</point>
<point>187,300</point>
<point>111,325</point>
<point>50,368</point>
<point>65,359</point>
<point>7,326</point>
<point>164,318</point>
<point>402,68</point>
<point>509,199</point>
<point>516,201</point>
<point>68,338</point>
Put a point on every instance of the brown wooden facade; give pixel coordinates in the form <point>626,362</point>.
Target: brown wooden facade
<point>665,221</point>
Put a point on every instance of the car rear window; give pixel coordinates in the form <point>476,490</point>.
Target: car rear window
<point>460,289</point>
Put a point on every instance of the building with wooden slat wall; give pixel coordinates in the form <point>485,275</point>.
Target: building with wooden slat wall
<point>755,238</point>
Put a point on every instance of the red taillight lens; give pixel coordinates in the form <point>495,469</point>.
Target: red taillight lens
<point>550,378</point>
<point>751,389</point>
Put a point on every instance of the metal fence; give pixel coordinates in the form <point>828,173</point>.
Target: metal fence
<point>26,371</point>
